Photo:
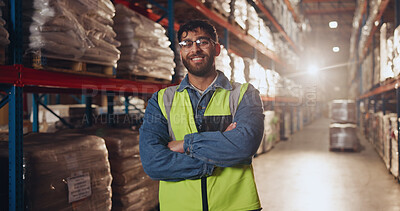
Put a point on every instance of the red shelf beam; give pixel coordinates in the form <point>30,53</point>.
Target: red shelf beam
<point>290,8</point>
<point>275,23</point>
<point>393,85</point>
<point>250,40</point>
<point>23,76</point>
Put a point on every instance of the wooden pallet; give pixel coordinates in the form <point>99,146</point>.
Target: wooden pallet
<point>144,78</point>
<point>70,66</point>
<point>344,149</point>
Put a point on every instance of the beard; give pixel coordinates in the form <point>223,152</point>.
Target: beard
<point>199,69</point>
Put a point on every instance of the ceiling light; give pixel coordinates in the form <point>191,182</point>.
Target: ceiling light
<point>335,49</point>
<point>333,24</point>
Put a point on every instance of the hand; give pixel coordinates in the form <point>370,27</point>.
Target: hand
<point>176,146</point>
<point>231,127</point>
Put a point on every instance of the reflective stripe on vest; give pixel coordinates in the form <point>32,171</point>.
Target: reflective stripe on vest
<point>230,188</point>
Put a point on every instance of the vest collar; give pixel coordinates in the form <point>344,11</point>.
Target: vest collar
<point>221,82</point>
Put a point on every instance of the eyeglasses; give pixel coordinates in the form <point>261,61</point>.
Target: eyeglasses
<point>203,43</point>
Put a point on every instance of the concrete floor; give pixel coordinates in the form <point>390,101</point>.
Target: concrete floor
<point>302,174</point>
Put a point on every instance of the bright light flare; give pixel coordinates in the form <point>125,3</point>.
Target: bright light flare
<point>313,70</point>
<point>333,24</point>
<point>335,49</point>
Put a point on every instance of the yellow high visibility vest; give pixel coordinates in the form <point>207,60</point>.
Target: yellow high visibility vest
<point>227,189</point>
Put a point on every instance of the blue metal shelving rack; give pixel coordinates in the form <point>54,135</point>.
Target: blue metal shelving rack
<point>390,85</point>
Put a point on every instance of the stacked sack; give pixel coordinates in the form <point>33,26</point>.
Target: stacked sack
<point>273,79</point>
<point>54,29</point>
<point>240,12</point>
<point>394,165</point>
<point>252,22</point>
<point>96,18</point>
<point>144,45</point>
<point>271,132</point>
<point>132,189</point>
<point>78,30</point>
<point>257,76</point>
<point>266,37</point>
<point>222,63</point>
<point>222,6</point>
<point>388,129</point>
<point>237,68</point>
<point>64,172</point>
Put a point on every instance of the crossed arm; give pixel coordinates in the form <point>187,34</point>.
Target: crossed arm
<point>177,146</point>
<point>164,159</point>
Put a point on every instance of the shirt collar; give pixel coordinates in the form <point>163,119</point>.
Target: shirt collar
<point>221,82</point>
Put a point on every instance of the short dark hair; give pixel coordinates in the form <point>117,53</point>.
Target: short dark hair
<point>202,24</point>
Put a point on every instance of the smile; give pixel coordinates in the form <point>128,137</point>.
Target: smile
<point>197,59</point>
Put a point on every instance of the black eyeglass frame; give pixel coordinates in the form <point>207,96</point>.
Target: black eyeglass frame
<point>185,44</point>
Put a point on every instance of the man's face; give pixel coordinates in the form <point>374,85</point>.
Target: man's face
<point>199,58</point>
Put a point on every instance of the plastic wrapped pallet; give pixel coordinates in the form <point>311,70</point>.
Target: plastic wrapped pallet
<point>130,183</point>
<point>343,136</point>
<point>343,111</point>
<point>96,19</point>
<point>290,89</point>
<point>386,70</point>
<point>266,37</point>
<point>240,12</point>
<point>65,172</point>
<point>394,165</point>
<point>252,22</point>
<point>257,76</point>
<point>75,30</point>
<point>377,67</point>
<point>396,52</point>
<point>144,45</point>
<point>222,6</point>
<point>379,137</point>
<point>271,129</point>
<point>238,68</point>
<point>388,127</point>
<point>222,63</point>
<point>273,79</point>
<point>55,30</point>
<point>367,71</point>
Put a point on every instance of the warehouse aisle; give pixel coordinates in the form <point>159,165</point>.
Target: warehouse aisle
<point>301,174</point>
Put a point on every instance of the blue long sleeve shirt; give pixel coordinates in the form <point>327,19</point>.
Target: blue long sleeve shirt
<point>204,150</point>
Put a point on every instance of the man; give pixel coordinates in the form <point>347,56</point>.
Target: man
<point>199,138</point>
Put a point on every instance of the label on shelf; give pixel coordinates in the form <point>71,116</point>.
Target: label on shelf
<point>79,187</point>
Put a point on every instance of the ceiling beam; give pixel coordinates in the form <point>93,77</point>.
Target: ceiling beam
<point>329,11</point>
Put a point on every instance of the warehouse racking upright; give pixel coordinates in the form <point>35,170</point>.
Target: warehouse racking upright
<point>16,78</point>
<point>374,94</point>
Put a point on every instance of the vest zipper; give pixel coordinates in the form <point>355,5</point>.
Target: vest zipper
<point>204,193</point>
